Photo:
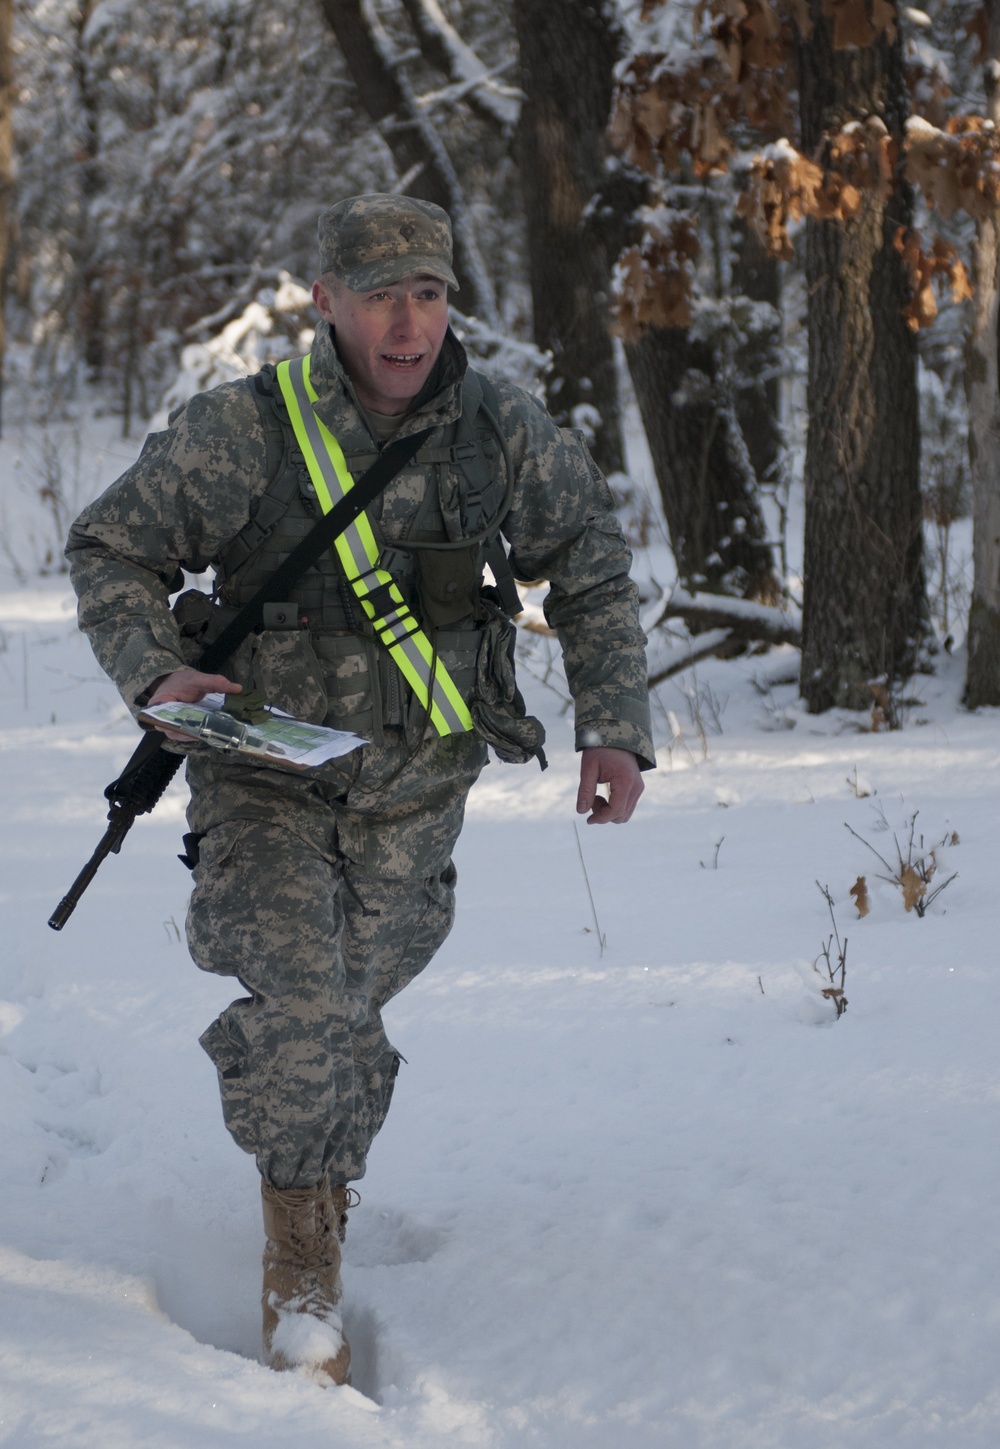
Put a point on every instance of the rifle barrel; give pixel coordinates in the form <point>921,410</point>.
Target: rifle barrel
<point>122,819</point>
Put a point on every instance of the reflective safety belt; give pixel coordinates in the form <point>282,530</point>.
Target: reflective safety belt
<point>396,627</point>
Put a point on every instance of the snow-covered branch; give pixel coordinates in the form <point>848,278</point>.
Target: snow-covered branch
<point>742,617</point>
<point>445,49</point>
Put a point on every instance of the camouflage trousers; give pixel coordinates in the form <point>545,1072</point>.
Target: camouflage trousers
<point>324,897</point>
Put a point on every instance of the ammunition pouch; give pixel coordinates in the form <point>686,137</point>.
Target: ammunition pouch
<point>497,706</point>
<point>279,659</point>
<point>448,583</point>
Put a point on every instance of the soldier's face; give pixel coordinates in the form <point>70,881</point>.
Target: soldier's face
<point>389,340</point>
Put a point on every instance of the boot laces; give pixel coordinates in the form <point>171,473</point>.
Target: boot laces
<point>310,1229</point>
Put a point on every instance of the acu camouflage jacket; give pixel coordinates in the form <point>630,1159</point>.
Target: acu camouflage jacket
<point>195,485</point>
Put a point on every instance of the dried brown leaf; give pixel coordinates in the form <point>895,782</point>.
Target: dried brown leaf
<point>784,186</point>
<point>653,280</point>
<point>883,713</point>
<point>926,270</point>
<point>958,169</point>
<point>962,289</point>
<point>914,889</point>
<point>800,13</point>
<point>859,890</point>
<point>858,23</point>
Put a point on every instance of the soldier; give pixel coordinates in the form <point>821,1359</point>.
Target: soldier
<point>325,895</point>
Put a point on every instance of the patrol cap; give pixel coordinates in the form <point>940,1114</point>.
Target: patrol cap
<point>375,240</point>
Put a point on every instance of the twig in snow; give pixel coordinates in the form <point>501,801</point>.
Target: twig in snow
<point>913,873</point>
<point>602,940</point>
<point>835,974</point>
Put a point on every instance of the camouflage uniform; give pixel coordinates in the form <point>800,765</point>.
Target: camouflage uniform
<point>325,895</point>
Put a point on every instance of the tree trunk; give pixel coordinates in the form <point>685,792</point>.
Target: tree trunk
<point>756,275</point>
<point>568,49</point>
<point>91,298</point>
<point>416,147</point>
<point>982,679</point>
<point>863,611</point>
<point>6,162</point>
<point>702,465</point>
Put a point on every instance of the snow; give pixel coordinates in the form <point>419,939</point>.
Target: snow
<point>309,1342</point>
<point>639,1187</point>
<point>742,609</point>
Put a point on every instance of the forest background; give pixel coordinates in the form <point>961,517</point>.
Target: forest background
<point>776,221</point>
<point>645,1182</point>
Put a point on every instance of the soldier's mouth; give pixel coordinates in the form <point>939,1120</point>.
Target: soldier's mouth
<point>403,359</point>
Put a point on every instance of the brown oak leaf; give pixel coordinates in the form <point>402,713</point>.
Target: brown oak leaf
<point>914,889</point>
<point>859,890</point>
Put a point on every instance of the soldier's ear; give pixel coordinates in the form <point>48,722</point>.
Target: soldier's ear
<point>323,298</point>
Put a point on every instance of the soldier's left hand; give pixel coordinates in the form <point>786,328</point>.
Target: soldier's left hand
<point>619,770</point>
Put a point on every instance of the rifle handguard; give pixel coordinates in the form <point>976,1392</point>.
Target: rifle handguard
<point>146,776</point>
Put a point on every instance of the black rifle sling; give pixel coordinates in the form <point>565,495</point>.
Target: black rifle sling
<point>128,789</point>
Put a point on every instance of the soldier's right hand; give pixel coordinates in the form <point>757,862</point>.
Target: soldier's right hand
<point>188,685</point>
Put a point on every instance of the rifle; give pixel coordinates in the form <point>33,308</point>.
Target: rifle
<point>136,791</point>
<point>150,770</point>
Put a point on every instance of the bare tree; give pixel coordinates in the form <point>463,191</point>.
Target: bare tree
<point>982,681</point>
<point>684,380</point>
<point>698,347</point>
<point>567,51</point>
<point>6,159</point>
<point>471,80</point>
<point>421,157</point>
<point>864,609</point>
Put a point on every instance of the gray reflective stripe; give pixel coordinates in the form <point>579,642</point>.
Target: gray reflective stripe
<point>296,373</point>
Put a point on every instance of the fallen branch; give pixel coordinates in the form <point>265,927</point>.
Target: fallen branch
<point>746,621</point>
<point>690,658</point>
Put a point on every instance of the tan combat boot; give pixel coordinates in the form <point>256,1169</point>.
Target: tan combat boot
<point>303,1329</point>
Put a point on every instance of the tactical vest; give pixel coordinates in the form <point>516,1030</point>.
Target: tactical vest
<point>436,527</point>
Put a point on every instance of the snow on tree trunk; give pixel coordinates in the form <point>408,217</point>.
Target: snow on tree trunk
<point>864,610</point>
<point>982,680</point>
<point>567,51</point>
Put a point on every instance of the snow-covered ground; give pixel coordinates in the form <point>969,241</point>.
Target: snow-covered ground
<point>650,1196</point>
<point>655,1196</point>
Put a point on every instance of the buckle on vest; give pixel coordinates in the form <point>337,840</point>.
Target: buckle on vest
<point>463,452</point>
<point>381,600</point>
<point>252,535</point>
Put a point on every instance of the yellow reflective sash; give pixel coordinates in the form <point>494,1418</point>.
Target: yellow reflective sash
<point>396,627</point>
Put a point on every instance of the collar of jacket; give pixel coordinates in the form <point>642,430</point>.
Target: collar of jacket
<point>438,403</point>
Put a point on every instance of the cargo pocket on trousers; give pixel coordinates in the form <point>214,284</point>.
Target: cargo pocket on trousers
<point>381,1085</point>
<point>429,933</point>
<point>226,1045</point>
<point>221,922</point>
